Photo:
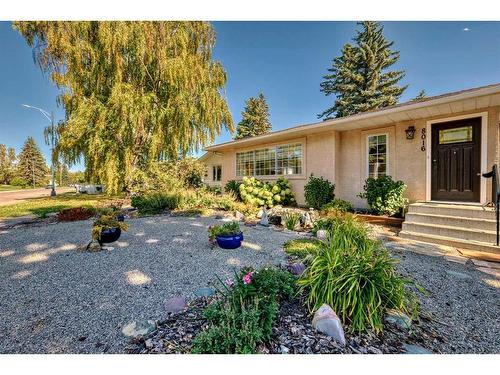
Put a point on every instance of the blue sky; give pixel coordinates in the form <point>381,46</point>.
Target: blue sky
<point>283,60</point>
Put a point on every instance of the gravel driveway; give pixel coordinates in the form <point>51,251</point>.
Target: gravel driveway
<point>54,299</point>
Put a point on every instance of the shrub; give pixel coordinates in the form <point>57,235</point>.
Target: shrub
<point>233,186</point>
<point>244,316</point>
<point>267,194</point>
<point>153,203</point>
<point>302,248</point>
<point>18,181</point>
<point>291,220</point>
<point>76,213</point>
<point>384,195</point>
<point>337,205</point>
<point>355,275</point>
<point>318,192</point>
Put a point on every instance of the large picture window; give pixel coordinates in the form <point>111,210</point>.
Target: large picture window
<point>377,155</point>
<point>277,160</point>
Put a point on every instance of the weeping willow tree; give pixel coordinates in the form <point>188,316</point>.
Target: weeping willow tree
<point>133,92</point>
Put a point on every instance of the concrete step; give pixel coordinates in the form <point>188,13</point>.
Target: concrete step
<point>458,210</point>
<point>486,236</point>
<point>450,241</point>
<point>452,221</point>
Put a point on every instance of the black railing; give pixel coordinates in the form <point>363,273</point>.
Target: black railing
<point>495,195</point>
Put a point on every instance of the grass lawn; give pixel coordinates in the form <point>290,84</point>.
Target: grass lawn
<point>9,188</point>
<point>42,206</point>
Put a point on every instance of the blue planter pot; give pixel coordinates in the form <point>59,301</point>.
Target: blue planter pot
<point>230,242</point>
<point>109,235</point>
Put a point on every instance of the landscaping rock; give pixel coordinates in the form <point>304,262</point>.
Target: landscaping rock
<point>297,268</point>
<point>398,318</point>
<point>139,328</point>
<point>321,234</point>
<point>459,275</point>
<point>415,349</point>
<point>204,292</point>
<point>175,304</point>
<point>284,349</point>
<point>325,320</point>
<point>93,246</point>
<point>274,220</point>
<point>260,213</point>
<point>239,216</point>
<point>263,220</point>
<point>305,220</point>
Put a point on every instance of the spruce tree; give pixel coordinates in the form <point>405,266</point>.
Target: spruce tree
<point>31,166</point>
<point>255,118</point>
<point>421,95</point>
<point>7,164</point>
<point>360,78</point>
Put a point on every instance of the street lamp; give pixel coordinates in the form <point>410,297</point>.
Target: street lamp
<point>50,117</point>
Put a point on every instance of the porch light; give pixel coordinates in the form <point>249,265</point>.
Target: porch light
<point>410,132</point>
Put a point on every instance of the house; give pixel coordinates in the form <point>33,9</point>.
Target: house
<point>213,168</point>
<point>438,146</point>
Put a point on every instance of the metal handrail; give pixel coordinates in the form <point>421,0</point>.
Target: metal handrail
<point>495,195</point>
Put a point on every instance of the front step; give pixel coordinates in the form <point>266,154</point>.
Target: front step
<point>462,226</point>
<point>448,241</point>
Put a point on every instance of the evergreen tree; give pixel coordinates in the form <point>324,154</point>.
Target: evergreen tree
<point>7,164</point>
<point>132,91</point>
<point>255,118</point>
<point>31,166</point>
<point>421,95</point>
<point>360,78</point>
<point>62,173</point>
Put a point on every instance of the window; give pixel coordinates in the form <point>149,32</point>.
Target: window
<point>377,155</point>
<point>278,160</point>
<point>216,172</point>
<point>455,135</point>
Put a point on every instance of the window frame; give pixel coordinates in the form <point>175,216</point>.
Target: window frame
<point>216,177</point>
<point>367,156</point>
<point>275,147</point>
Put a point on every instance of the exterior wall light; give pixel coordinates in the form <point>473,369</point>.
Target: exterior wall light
<point>410,132</point>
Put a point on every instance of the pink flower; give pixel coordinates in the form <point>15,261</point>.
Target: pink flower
<point>229,283</point>
<point>247,278</point>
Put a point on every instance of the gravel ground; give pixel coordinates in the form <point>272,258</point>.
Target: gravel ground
<point>55,299</point>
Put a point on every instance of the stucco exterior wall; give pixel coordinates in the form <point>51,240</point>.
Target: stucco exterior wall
<point>210,161</point>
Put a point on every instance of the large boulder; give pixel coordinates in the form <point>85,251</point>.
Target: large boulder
<point>321,234</point>
<point>325,320</point>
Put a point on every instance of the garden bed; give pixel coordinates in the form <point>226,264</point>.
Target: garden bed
<point>382,220</point>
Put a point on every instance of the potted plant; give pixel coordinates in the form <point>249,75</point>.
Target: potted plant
<point>227,236</point>
<point>107,228</point>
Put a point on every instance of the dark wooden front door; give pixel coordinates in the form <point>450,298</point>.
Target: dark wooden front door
<point>456,152</point>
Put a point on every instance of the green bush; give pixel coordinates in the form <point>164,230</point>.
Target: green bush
<point>18,181</point>
<point>291,220</point>
<point>337,205</point>
<point>385,196</point>
<point>267,194</point>
<point>233,186</point>
<point>153,203</point>
<point>355,275</point>
<point>318,192</point>
<point>302,248</point>
<point>243,317</point>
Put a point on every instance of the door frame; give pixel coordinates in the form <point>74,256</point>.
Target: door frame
<point>483,152</point>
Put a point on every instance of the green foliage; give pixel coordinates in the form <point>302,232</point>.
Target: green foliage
<point>255,118</point>
<point>359,78</point>
<point>104,222</point>
<point>267,194</point>
<point>337,205</point>
<point>18,181</point>
<point>385,196</point>
<point>7,164</point>
<point>318,191</point>
<point>243,317</point>
<point>233,186</point>
<point>291,220</point>
<point>226,229</point>
<point>133,92</point>
<point>302,248</point>
<point>355,275</point>
<point>421,96</point>
<point>154,203</point>
<point>31,166</point>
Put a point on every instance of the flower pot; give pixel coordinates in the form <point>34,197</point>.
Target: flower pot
<point>230,241</point>
<point>109,235</point>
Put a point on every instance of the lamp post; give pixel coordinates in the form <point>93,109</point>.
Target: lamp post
<point>50,117</point>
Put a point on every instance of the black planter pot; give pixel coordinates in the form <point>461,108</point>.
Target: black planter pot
<point>109,235</point>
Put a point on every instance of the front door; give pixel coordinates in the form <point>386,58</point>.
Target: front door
<point>456,152</point>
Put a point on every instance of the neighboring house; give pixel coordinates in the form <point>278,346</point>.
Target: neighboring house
<point>213,170</point>
<point>455,139</point>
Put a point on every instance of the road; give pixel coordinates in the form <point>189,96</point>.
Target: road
<point>17,196</point>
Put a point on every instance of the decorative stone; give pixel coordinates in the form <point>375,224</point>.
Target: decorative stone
<point>175,304</point>
<point>325,320</point>
<point>263,220</point>
<point>284,349</point>
<point>204,292</point>
<point>139,328</point>
<point>321,234</point>
<point>460,275</point>
<point>398,318</point>
<point>239,216</point>
<point>415,349</point>
<point>260,213</point>
<point>93,246</point>
<point>297,268</point>
<point>306,220</point>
